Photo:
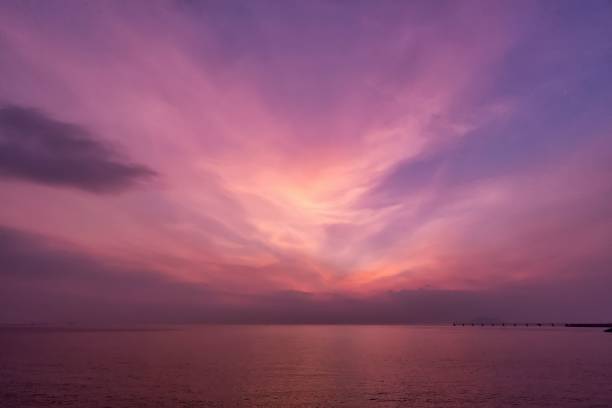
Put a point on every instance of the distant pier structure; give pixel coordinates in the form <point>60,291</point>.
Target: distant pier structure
<point>505,324</point>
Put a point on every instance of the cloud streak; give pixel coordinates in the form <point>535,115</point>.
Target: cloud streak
<point>37,148</point>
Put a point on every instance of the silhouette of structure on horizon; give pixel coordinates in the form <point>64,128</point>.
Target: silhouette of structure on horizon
<point>473,324</point>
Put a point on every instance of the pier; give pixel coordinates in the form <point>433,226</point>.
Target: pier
<point>601,325</point>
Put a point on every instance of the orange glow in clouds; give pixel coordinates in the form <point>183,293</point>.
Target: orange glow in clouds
<point>392,156</point>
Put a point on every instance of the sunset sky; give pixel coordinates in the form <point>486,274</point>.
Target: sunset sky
<point>305,161</point>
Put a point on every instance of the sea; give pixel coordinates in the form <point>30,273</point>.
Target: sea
<point>305,366</point>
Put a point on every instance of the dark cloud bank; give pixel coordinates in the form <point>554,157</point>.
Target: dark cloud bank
<point>40,149</point>
<point>45,281</point>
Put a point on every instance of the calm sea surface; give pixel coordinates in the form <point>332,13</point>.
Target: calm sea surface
<point>306,366</point>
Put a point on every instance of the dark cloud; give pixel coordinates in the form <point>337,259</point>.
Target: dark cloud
<point>40,149</point>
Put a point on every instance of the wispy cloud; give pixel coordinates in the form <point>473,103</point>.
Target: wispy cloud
<point>354,149</point>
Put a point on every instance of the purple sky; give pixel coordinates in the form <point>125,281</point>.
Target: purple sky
<point>305,161</point>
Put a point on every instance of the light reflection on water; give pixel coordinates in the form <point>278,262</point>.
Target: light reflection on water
<point>306,366</point>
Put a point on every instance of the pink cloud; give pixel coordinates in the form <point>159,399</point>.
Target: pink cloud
<point>406,148</point>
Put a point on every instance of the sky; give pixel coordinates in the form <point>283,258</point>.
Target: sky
<point>305,161</point>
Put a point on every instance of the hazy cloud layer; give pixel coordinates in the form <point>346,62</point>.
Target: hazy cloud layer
<point>37,148</point>
<point>43,280</point>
